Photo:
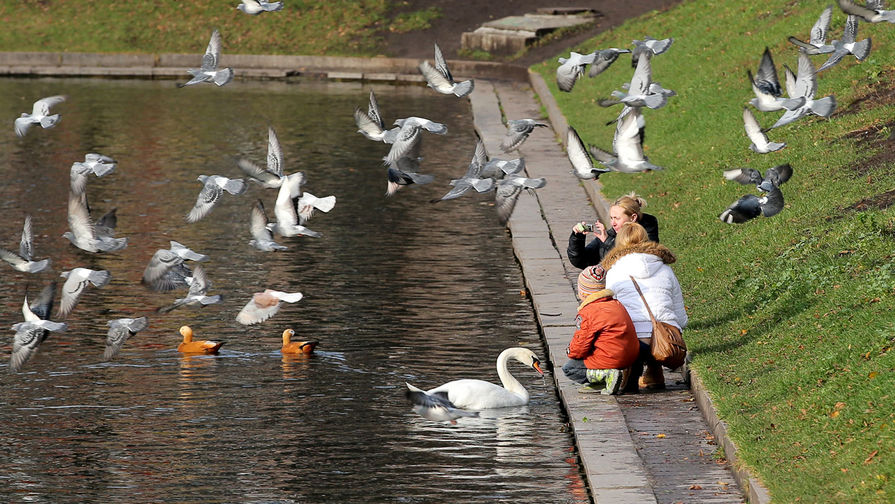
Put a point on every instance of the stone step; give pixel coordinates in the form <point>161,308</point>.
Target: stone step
<point>512,34</point>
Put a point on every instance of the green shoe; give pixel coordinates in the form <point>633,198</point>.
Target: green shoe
<point>613,382</point>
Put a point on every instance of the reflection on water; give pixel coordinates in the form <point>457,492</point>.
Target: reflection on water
<point>396,290</point>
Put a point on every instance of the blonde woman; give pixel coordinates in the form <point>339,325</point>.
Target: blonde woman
<point>628,208</point>
<point>649,263</point>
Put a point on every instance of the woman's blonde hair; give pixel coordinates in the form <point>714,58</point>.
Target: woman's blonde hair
<point>630,233</point>
<point>631,204</point>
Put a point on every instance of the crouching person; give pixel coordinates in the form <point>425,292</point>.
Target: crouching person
<point>605,341</point>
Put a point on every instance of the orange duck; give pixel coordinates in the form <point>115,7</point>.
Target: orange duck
<point>296,347</point>
<point>197,347</point>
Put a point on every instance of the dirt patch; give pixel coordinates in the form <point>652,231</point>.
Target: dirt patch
<point>880,201</point>
<point>881,93</point>
<point>879,138</point>
<point>458,16</point>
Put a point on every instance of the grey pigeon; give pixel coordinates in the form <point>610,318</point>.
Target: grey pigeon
<point>803,86</point>
<point>399,176</point>
<point>773,177</point>
<point>272,176</point>
<point>766,86</point>
<point>440,79</point>
<point>371,125</point>
<point>508,191</point>
<point>286,210</point>
<point>197,295</point>
<point>497,168</point>
<point>627,145</point>
<point>35,329</point>
<point>213,187</point>
<point>582,164</point>
<point>209,71</point>
<point>817,41</point>
<point>408,136</point>
<point>517,132</point>
<point>603,59</point>
<point>119,332</point>
<point>435,407</point>
<point>40,114</point>
<point>872,11</point>
<point>262,238</point>
<point>255,7</point>
<point>96,164</point>
<point>473,178</point>
<point>571,68</point>
<point>760,143</point>
<point>24,260</point>
<point>648,46</point>
<point>86,235</point>
<point>264,305</point>
<point>166,270</point>
<point>76,281</point>
<point>640,91</point>
<point>750,206</point>
<point>848,44</point>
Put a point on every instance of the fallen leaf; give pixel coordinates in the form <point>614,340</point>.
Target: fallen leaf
<point>872,375</point>
<point>834,414</point>
<point>695,487</point>
<point>660,436</point>
<point>870,457</point>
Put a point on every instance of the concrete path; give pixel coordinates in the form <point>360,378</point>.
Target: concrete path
<point>650,447</point>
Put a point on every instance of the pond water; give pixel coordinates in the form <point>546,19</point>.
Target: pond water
<point>397,289</point>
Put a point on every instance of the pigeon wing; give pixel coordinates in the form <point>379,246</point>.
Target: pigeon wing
<point>208,196</point>
<point>819,30</point>
<point>212,52</point>
<point>274,153</point>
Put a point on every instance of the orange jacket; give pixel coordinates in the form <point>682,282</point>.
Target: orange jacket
<point>605,338</point>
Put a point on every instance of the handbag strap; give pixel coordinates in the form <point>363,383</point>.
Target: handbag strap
<point>651,316</point>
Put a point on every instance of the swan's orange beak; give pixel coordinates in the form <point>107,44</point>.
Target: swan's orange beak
<point>537,365</point>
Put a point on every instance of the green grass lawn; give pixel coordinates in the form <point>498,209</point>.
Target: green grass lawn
<point>792,318</point>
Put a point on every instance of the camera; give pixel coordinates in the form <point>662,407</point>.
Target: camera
<point>589,228</point>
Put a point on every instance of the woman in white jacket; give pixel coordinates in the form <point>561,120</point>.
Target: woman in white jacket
<point>648,262</point>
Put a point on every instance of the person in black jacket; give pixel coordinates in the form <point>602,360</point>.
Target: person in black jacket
<point>625,209</point>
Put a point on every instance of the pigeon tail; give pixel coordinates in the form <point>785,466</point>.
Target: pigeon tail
<point>49,121</point>
<point>824,107</point>
<point>862,49</point>
<point>224,76</point>
<point>462,89</point>
<point>771,147</point>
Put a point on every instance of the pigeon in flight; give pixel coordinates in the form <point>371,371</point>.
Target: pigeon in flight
<point>119,332</point>
<point>262,238</point>
<point>307,204</point>
<point>473,178</point>
<point>166,270</point>
<point>435,407</point>
<point>264,305</point>
<point>24,260</point>
<point>497,168</point>
<point>848,44</point>
<point>640,91</point>
<point>286,211</point>
<point>399,175</point>
<point>517,132</point>
<point>627,145</point>
<point>760,143</point>
<point>817,41</point>
<point>603,59</point>
<point>76,281</point>
<point>750,206</point>
<point>96,164</point>
<point>803,86</point>
<point>571,68</point>
<point>272,176</point>
<point>649,46</point>
<point>40,114</point>
<point>371,125</point>
<point>766,86</point>
<point>209,72</point>
<point>198,293</point>
<point>508,191</point>
<point>213,187</point>
<point>582,164</point>
<point>440,79</point>
<point>408,136</point>
<point>873,12</point>
<point>255,7</point>
<point>35,329</point>
<point>86,235</point>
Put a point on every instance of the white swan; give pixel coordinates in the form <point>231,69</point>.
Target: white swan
<point>476,395</point>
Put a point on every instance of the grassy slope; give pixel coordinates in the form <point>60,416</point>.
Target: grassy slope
<point>792,316</point>
<point>336,27</point>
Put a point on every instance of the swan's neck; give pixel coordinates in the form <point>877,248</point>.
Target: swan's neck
<point>509,381</point>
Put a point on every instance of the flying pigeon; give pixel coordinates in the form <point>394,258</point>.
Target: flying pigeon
<point>760,143</point>
<point>627,145</point>
<point>648,46</point>
<point>262,238</point>
<point>750,206</point>
<point>435,407</point>
<point>371,125</point>
<point>571,68</point>
<point>255,7</point>
<point>166,270</point>
<point>213,186</point>
<point>517,132</point>
<point>440,79</point>
<point>848,44</point>
<point>641,92</point>
<point>817,41</point>
<point>473,178</point>
<point>766,87</point>
<point>119,332</point>
<point>286,211</point>
<point>86,235</point>
<point>773,177</point>
<point>872,13</point>
<point>209,72</point>
<point>272,176</point>
<point>408,136</point>
<point>803,86</point>
<point>307,204</point>
<point>582,164</point>
<point>96,164</point>
<point>264,305</point>
<point>197,295</point>
<point>40,114</point>
<point>603,58</point>
<point>508,191</point>
<point>23,261</point>
<point>35,329</point>
<point>76,281</point>
<point>398,176</point>
<point>497,168</point>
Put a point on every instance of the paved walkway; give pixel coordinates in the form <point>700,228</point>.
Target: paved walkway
<point>650,447</point>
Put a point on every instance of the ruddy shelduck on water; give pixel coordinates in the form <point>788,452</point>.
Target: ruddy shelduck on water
<point>296,347</point>
<point>197,347</point>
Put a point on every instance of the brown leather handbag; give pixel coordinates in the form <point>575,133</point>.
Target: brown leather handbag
<point>667,344</point>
